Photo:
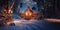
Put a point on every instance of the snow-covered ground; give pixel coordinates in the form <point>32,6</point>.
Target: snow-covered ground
<point>32,25</point>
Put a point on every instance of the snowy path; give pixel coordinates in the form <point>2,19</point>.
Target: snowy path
<point>33,25</point>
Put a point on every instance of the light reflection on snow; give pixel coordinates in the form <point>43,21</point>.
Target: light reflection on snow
<point>17,21</point>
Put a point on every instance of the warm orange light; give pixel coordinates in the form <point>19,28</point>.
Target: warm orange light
<point>10,11</point>
<point>28,13</point>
